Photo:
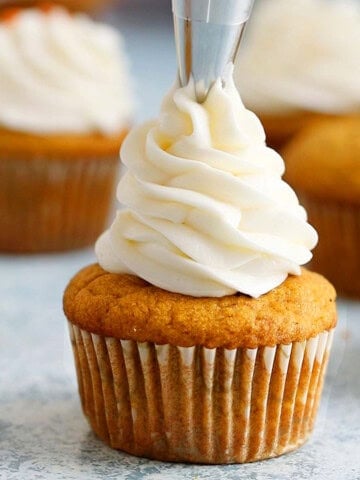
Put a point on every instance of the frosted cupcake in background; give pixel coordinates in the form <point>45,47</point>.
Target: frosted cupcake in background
<point>65,107</point>
<point>90,6</point>
<point>198,337</point>
<point>323,165</point>
<point>300,61</point>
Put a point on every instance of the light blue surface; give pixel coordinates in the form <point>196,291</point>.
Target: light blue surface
<point>43,434</point>
<point>148,35</point>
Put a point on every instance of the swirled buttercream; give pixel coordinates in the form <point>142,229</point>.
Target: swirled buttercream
<point>302,55</point>
<point>207,213</point>
<point>62,73</point>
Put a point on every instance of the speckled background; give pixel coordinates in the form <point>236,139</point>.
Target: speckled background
<point>43,434</point>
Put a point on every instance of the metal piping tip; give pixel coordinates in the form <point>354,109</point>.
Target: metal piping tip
<point>207,37</point>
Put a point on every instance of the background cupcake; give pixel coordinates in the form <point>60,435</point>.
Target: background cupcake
<point>300,61</point>
<point>91,6</point>
<point>323,166</point>
<point>65,106</point>
<point>175,360</point>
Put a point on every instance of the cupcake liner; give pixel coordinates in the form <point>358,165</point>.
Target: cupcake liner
<point>49,204</point>
<point>337,255</point>
<point>197,404</point>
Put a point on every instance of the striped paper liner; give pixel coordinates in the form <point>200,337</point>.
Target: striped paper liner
<point>337,255</point>
<point>196,404</point>
<point>49,204</point>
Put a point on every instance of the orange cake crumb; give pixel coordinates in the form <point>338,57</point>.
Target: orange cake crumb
<point>127,307</point>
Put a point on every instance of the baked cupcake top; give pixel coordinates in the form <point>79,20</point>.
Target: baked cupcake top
<point>129,308</point>
<point>61,73</point>
<point>302,55</point>
<point>207,213</point>
<point>323,160</point>
<point>92,6</point>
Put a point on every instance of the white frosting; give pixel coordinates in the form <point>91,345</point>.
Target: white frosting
<point>302,55</point>
<point>62,73</point>
<point>207,212</point>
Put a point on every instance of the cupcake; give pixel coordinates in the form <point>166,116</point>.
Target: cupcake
<point>90,6</point>
<point>323,166</point>
<point>300,63</point>
<point>198,337</point>
<point>65,106</point>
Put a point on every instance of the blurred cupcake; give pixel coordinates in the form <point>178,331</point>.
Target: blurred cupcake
<point>300,62</point>
<point>191,341</point>
<point>90,6</point>
<point>323,166</point>
<point>65,106</point>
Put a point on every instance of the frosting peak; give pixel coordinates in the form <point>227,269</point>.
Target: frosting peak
<point>207,212</point>
<point>62,73</point>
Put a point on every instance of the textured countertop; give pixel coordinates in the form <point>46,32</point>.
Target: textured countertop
<point>43,434</point>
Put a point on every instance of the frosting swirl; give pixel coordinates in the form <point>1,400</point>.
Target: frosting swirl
<point>207,212</point>
<point>62,73</point>
<point>302,55</point>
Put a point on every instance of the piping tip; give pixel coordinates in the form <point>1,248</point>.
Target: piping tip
<point>207,37</point>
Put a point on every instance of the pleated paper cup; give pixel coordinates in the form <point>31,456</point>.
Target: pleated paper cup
<point>53,204</point>
<point>337,255</point>
<point>200,405</point>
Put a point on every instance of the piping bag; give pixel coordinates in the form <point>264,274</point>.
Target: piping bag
<point>207,38</point>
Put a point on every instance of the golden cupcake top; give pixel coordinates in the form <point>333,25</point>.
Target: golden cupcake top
<point>127,307</point>
<point>92,6</point>
<point>323,159</point>
<point>15,144</point>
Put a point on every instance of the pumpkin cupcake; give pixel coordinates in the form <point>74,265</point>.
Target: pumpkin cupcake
<point>323,166</point>
<point>296,67</point>
<point>65,106</point>
<point>198,337</point>
<point>90,6</point>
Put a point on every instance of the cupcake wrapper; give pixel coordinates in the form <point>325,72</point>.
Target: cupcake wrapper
<point>337,255</point>
<point>54,203</point>
<point>197,404</point>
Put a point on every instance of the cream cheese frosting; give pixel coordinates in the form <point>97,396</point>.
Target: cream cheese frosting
<point>206,211</point>
<point>62,73</point>
<point>302,55</point>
